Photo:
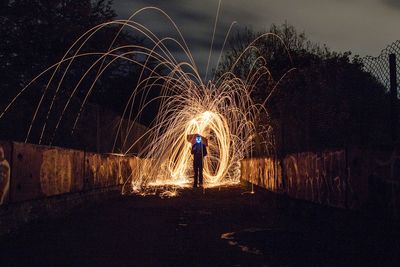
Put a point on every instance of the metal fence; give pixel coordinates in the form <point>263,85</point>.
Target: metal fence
<point>380,66</point>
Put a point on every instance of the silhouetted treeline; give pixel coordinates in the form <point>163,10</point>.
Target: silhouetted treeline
<point>327,101</point>
<point>35,34</point>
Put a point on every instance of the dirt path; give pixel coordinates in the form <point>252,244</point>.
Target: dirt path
<point>219,228</point>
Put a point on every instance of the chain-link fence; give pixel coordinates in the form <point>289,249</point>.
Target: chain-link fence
<point>341,105</point>
<point>379,66</point>
<point>386,68</point>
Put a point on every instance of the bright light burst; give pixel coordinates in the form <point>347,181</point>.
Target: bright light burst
<point>221,110</point>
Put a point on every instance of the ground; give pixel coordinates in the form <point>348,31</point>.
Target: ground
<point>215,227</point>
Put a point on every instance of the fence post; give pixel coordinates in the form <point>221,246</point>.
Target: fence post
<point>393,96</point>
<point>98,130</point>
<point>347,169</point>
<point>282,157</point>
<point>11,163</point>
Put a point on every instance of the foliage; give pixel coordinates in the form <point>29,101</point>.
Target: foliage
<point>35,35</point>
<point>328,101</point>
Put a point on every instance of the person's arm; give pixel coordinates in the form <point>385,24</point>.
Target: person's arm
<point>204,150</point>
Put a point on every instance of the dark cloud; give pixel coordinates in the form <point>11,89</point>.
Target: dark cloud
<point>361,26</point>
<point>193,19</point>
<point>392,3</point>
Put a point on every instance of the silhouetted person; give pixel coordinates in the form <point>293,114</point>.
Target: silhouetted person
<point>199,151</point>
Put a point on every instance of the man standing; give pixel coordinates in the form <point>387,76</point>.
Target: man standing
<point>199,151</point>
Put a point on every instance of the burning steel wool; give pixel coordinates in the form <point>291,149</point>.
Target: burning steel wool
<point>222,110</point>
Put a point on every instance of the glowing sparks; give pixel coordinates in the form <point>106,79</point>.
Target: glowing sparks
<point>211,112</point>
<point>221,110</point>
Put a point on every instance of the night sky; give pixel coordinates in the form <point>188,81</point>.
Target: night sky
<point>364,27</point>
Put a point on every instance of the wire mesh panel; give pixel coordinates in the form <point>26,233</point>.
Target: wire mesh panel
<point>379,66</point>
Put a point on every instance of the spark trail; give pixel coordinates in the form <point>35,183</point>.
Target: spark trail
<point>222,110</point>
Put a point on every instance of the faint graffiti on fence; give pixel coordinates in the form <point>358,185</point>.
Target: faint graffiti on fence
<point>318,177</point>
<point>55,172</point>
<point>264,172</point>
